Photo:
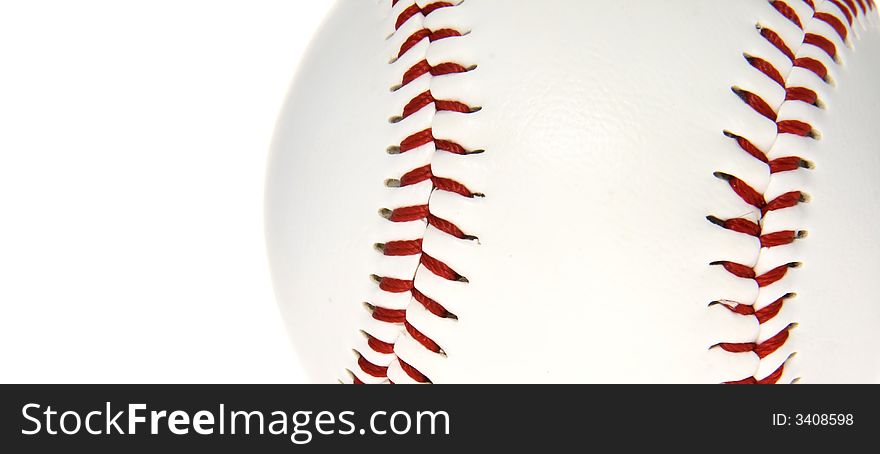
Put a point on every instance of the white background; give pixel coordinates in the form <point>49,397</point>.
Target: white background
<point>133,143</point>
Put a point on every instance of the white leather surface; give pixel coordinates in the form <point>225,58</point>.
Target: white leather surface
<point>602,126</point>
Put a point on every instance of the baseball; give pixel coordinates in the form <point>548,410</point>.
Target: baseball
<point>578,191</point>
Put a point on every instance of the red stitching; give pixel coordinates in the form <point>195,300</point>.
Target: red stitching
<point>777,41</point>
<point>414,9</point>
<point>801,94</point>
<point>423,67</point>
<point>768,240</point>
<point>767,68</point>
<point>813,65</point>
<point>784,164</point>
<point>834,22</point>
<point>420,35</point>
<point>844,9</point>
<point>425,137</point>
<point>422,213</point>
<point>763,315</point>
<point>431,305</point>
<point>756,102</point>
<point>788,12</point>
<point>390,315</point>
<point>440,268</point>
<point>380,346</point>
<point>372,369</point>
<point>761,349</point>
<point>413,372</point>
<point>822,43</point>
<point>402,248</point>
<point>422,339</point>
<point>422,100</point>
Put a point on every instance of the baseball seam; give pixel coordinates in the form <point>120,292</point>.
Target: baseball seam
<point>842,26</point>
<point>385,354</point>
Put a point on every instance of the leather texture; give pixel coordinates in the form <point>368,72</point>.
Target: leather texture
<point>602,128</point>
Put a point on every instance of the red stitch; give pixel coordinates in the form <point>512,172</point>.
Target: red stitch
<point>416,176</point>
<point>449,146</point>
<point>446,227</point>
<point>416,140</point>
<point>822,43</point>
<point>788,12</point>
<point>862,6</point>
<point>424,173</point>
<point>356,381</point>
<point>796,127</point>
<point>413,372</point>
<point>406,15</point>
<point>834,22</point>
<point>413,39</point>
<point>372,369</point>
<point>767,68</point>
<point>449,185</point>
<point>736,269</point>
<point>407,214</point>
<point>772,344</point>
<point>787,200</point>
<point>750,228</point>
<point>380,346</point>
<point>843,9</point>
<point>852,7</point>
<point>763,315</point>
<point>393,285</point>
<point>417,103</point>
<point>749,147</point>
<point>431,305</point>
<point>389,315</point>
<point>426,341</point>
<point>774,275</point>
<point>756,102</point>
<point>743,190</point>
<point>423,67</point>
<point>432,36</point>
<point>801,94</point>
<point>737,225</point>
<point>424,99</point>
<point>777,41</point>
<point>419,69</point>
<point>763,349</point>
<point>778,238</point>
<point>745,347</point>
<point>771,310</point>
<point>439,268</point>
<point>812,65</point>
<point>414,9</point>
<point>746,272</point>
<point>402,248</point>
<point>810,4</point>
<point>787,164</point>
<point>428,9</point>
<point>736,308</point>
<point>425,137</point>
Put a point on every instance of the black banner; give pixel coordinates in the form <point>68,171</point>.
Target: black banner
<point>299,418</point>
